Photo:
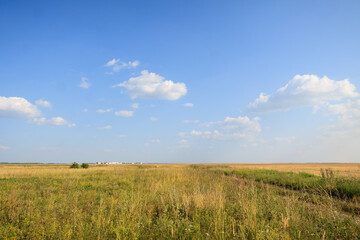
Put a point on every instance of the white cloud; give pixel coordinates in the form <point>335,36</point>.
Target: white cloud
<point>304,90</point>
<point>2,147</point>
<point>239,123</point>
<point>190,121</point>
<point>229,129</point>
<point>188,104</point>
<point>84,83</point>
<point>348,113</point>
<point>107,127</point>
<point>43,103</point>
<point>153,86</point>
<point>116,65</point>
<point>124,113</point>
<point>183,143</point>
<point>112,62</point>
<point>155,140</point>
<point>17,107</point>
<point>135,105</point>
<point>122,136</point>
<point>104,110</point>
<point>284,139</point>
<point>55,121</point>
<point>153,119</point>
<point>85,110</point>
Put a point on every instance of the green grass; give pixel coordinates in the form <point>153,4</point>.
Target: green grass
<point>327,184</point>
<point>125,202</point>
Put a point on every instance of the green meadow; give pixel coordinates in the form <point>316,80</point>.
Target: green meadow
<point>175,202</point>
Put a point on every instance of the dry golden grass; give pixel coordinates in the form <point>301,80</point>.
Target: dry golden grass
<point>163,201</point>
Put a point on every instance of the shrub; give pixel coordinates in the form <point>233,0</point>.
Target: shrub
<point>75,165</point>
<point>85,165</point>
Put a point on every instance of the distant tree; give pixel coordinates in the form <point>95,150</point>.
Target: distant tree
<point>85,165</point>
<point>75,165</point>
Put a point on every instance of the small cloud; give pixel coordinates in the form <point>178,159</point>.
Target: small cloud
<point>153,119</point>
<point>183,143</point>
<point>43,103</point>
<point>107,150</point>
<point>190,121</point>
<point>124,113</point>
<point>155,141</point>
<point>116,65</point>
<point>84,83</point>
<point>135,105</point>
<point>153,86</point>
<point>104,110</point>
<point>2,147</point>
<point>284,139</point>
<point>107,127</point>
<point>85,110</point>
<point>55,121</point>
<point>122,136</point>
<point>188,104</point>
<point>112,62</point>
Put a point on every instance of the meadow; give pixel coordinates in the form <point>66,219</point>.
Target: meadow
<point>166,201</point>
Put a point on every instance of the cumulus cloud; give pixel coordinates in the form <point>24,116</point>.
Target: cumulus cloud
<point>188,104</point>
<point>17,107</point>
<point>55,121</point>
<point>153,86</point>
<point>104,110</point>
<point>107,127</point>
<point>43,103</point>
<point>124,113</point>
<point>304,90</point>
<point>2,147</point>
<point>84,83</point>
<point>116,65</point>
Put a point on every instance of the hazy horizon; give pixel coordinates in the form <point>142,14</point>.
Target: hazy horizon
<point>180,82</point>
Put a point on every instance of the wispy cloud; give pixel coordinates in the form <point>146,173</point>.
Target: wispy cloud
<point>55,121</point>
<point>107,127</point>
<point>153,119</point>
<point>84,83</point>
<point>190,121</point>
<point>104,110</point>
<point>2,147</point>
<point>116,65</point>
<point>124,113</point>
<point>153,86</point>
<point>43,103</point>
<point>188,104</point>
<point>135,105</point>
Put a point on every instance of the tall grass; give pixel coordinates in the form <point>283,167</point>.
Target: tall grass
<point>121,202</point>
<point>335,186</point>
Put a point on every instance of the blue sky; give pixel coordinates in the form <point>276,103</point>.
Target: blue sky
<point>180,81</point>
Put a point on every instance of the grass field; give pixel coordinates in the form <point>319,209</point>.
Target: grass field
<point>179,202</point>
